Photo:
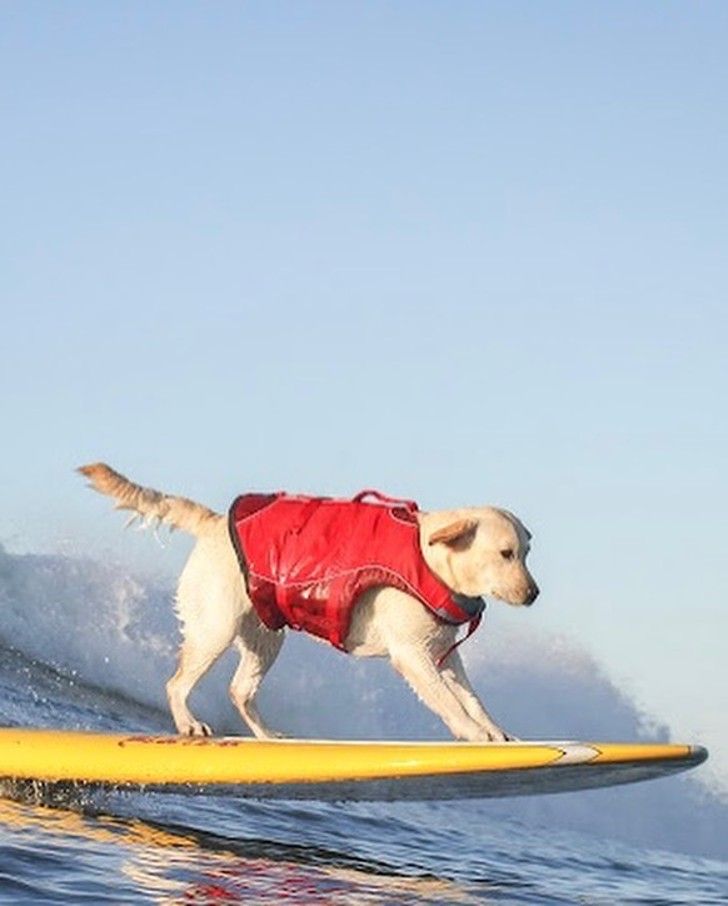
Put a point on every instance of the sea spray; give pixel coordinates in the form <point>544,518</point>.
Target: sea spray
<point>80,624</point>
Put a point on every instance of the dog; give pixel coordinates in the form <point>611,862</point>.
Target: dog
<point>225,601</point>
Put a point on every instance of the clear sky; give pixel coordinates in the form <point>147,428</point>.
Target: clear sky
<point>464,252</point>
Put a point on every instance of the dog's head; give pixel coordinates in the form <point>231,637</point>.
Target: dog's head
<point>480,552</point>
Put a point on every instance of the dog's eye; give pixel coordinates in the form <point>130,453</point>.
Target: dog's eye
<point>507,554</point>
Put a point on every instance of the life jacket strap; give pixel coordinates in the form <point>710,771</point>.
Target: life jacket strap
<point>472,626</point>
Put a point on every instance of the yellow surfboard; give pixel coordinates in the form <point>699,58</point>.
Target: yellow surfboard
<point>331,769</point>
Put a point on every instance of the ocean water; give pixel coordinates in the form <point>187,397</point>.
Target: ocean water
<point>89,647</point>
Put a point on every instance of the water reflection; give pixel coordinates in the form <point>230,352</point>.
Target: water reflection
<point>136,860</point>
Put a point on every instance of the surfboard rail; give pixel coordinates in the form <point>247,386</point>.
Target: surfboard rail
<point>332,769</point>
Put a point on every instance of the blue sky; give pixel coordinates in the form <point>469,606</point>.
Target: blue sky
<point>464,252</point>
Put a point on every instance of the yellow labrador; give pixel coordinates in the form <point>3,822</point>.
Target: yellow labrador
<point>473,552</point>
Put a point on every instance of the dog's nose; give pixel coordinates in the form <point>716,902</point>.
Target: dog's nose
<point>531,594</point>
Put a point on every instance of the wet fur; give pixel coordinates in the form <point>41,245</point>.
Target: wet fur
<point>474,551</point>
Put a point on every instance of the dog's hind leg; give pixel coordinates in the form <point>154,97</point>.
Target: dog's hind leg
<point>210,605</point>
<point>258,648</point>
<point>194,662</point>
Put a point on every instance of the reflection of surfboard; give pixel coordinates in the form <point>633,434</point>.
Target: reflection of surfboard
<point>330,769</point>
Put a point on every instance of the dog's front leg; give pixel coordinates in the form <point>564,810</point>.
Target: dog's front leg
<point>453,672</point>
<point>415,664</point>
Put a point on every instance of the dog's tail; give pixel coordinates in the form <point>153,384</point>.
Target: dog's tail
<point>152,506</point>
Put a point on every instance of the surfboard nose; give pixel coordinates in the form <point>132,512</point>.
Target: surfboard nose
<point>698,754</point>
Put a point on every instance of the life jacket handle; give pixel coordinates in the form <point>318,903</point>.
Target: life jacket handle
<point>382,498</point>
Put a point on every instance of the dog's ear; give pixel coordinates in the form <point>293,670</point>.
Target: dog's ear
<point>456,534</point>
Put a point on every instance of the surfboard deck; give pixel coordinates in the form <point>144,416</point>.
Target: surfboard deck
<point>329,769</point>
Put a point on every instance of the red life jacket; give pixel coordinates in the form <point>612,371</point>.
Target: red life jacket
<point>306,560</point>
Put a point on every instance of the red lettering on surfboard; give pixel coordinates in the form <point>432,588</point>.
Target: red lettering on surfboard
<point>220,742</point>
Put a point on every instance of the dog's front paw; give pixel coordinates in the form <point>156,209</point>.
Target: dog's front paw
<point>493,734</point>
